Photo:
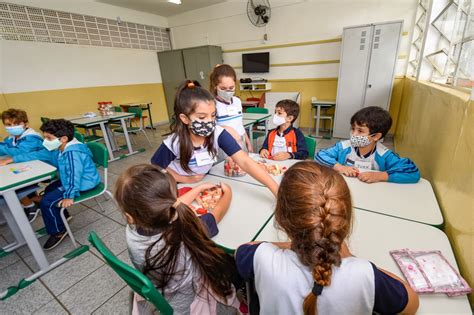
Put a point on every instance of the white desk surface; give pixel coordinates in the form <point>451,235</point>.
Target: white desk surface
<point>323,103</point>
<point>255,116</point>
<point>250,208</point>
<point>248,122</point>
<point>374,235</point>
<point>97,119</point>
<point>37,169</point>
<point>218,170</point>
<point>415,202</point>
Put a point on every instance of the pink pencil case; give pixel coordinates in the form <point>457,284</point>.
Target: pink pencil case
<point>430,272</point>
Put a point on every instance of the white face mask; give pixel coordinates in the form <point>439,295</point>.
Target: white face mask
<point>360,141</point>
<point>225,95</point>
<point>278,120</point>
<point>52,144</point>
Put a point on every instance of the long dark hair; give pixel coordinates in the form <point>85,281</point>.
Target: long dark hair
<point>187,95</point>
<point>314,208</point>
<point>154,209</point>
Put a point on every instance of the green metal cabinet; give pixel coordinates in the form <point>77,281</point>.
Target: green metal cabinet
<point>194,63</point>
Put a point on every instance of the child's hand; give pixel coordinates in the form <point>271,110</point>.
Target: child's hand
<point>66,203</point>
<point>373,177</point>
<point>264,153</point>
<point>249,147</point>
<point>346,170</point>
<point>225,188</point>
<point>6,161</point>
<point>206,186</point>
<point>282,156</point>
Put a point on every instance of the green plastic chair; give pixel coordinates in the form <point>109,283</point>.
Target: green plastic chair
<point>44,119</point>
<point>260,127</point>
<point>100,156</point>
<point>257,110</point>
<point>134,278</point>
<point>311,145</point>
<point>79,136</point>
<point>132,129</point>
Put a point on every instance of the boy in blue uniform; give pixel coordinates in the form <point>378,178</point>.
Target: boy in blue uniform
<point>363,156</point>
<point>22,139</point>
<point>285,141</point>
<point>76,169</point>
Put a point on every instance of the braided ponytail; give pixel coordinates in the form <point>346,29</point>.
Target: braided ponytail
<point>314,209</point>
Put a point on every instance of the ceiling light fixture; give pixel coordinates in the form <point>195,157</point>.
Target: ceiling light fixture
<point>175,1</point>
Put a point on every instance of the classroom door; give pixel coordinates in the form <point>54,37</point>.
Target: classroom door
<point>172,74</point>
<point>382,64</point>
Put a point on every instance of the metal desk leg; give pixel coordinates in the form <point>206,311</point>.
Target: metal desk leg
<point>318,115</point>
<point>107,141</point>
<point>127,138</point>
<point>18,214</point>
<point>148,107</point>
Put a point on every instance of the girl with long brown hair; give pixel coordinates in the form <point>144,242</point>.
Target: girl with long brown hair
<point>168,242</point>
<point>229,108</point>
<point>190,151</point>
<point>315,273</point>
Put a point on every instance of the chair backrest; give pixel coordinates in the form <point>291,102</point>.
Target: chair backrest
<point>44,119</point>
<point>253,99</point>
<point>100,156</point>
<point>311,145</point>
<point>257,110</point>
<point>137,111</point>
<point>134,278</point>
<point>79,136</point>
<point>117,109</point>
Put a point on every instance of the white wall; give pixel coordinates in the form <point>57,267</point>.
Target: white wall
<point>32,66</point>
<point>227,25</point>
<point>35,66</point>
<point>91,7</point>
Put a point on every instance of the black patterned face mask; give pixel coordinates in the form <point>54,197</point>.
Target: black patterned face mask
<point>202,128</point>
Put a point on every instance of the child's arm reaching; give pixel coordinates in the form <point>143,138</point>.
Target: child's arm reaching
<point>254,170</point>
<point>249,143</point>
<point>191,195</point>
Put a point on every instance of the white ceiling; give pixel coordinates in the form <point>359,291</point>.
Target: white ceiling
<point>162,7</point>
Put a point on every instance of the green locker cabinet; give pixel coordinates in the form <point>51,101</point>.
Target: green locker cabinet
<point>194,63</point>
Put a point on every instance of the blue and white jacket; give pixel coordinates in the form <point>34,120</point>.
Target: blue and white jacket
<point>29,141</point>
<point>76,168</point>
<point>400,170</point>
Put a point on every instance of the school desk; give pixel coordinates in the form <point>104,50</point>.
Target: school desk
<point>250,208</point>
<point>102,121</point>
<point>218,170</point>
<point>414,202</point>
<point>250,119</point>
<point>13,177</point>
<point>374,235</point>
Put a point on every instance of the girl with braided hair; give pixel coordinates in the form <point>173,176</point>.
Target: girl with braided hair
<point>315,273</point>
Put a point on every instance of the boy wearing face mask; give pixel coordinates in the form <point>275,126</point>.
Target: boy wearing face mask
<point>364,157</point>
<point>285,142</point>
<point>21,139</point>
<point>77,173</point>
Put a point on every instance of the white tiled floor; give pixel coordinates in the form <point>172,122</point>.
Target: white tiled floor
<point>85,284</point>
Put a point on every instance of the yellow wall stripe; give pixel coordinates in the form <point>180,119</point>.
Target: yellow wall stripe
<point>315,42</point>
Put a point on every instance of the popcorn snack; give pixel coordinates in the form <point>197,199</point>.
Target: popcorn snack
<point>231,169</point>
<point>208,199</point>
<point>273,169</point>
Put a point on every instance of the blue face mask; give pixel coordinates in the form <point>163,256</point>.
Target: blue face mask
<point>15,130</point>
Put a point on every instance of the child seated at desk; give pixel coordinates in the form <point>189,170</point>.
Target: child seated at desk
<point>22,139</point>
<point>285,141</point>
<point>172,246</point>
<point>364,156</point>
<point>77,173</point>
<point>315,273</point>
